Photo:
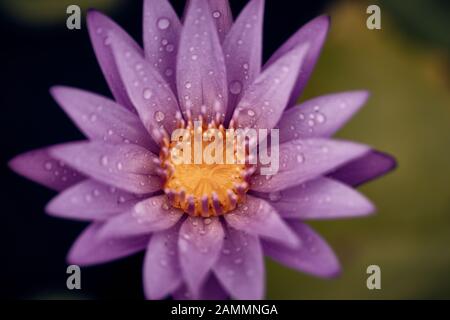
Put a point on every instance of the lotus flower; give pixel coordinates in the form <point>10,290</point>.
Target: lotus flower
<point>205,230</point>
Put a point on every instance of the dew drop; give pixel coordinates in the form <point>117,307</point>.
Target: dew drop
<point>48,166</point>
<point>147,93</point>
<point>216,14</point>
<point>320,118</point>
<point>163,23</point>
<point>235,87</point>
<point>187,85</point>
<point>159,116</point>
<point>104,160</point>
<point>251,113</point>
<point>300,158</point>
<point>170,47</point>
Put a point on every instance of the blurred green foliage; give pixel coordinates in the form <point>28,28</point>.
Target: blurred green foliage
<point>408,116</point>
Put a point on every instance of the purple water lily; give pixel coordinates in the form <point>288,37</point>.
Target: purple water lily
<point>205,233</point>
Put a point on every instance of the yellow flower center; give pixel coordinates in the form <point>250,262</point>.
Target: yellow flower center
<point>197,186</point>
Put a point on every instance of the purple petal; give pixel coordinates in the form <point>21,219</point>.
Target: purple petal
<point>223,18</point>
<point>314,33</point>
<point>150,215</point>
<point>199,245</point>
<point>90,249</point>
<point>303,160</point>
<point>368,167</point>
<point>39,166</point>
<point>265,99</point>
<point>211,290</point>
<point>91,200</point>
<point>162,274</point>
<point>314,256</point>
<point>322,198</point>
<point>240,267</point>
<point>100,118</point>
<point>125,166</point>
<point>151,95</point>
<point>321,116</point>
<point>161,35</point>
<point>242,49</point>
<point>201,74</point>
<point>100,27</point>
<point>257,217</point>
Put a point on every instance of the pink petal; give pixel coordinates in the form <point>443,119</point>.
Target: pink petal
<point>125,166</point>
<point>321,116</point>
<point>90,249</point>
<point>314,256</point>
<point>257,217</point>
<point>150,215</point>
<point>100,27</point>
<point>365,168</point>
<point>161,35</point>
<point>91,200</point>
<point>314,33</point>
<point>151,95</point>
<point>100,118</point>
<point>240,267</point>
<point>265,99</point>
<point>322,198</point>
<point>162,274</point>
<point>223,18</point>
<point>303,160</point>
<point>39,166</point>
<point>199,245</point>
<point>201,74</point>
<point>242,49</point>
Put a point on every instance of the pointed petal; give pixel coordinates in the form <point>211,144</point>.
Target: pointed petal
<point>257,217</point>
<point>240,267</point>
<point>314,256</point>
<point>223,18</point>
<point>303,160</point>
<point>162,274</point>
<point>368,167</point>
<point>199,245</point>
<point>100,118</point>
<point>89,249</point>
<point>265,99</point>
<point>314,33</point>
<point>201,74</point>
<point>320,117</point>
<point>322,198</point>
<point>91,200</point>
<point>153,214</point>
<point>161,35</point>
<point>39,166</point>
<point>100,28</point>
<point>242,49</point>
<point>151,95</point>
<point>124,166</point>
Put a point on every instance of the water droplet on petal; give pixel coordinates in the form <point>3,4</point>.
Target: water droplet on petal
<point>104,160</point>
<point>48,166</point>
<point>163,23</point>
<point>235,87</point>
<point>159,116</point>
<point>147,93</point>
<point>251,113</point>
<point>216,14</point>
